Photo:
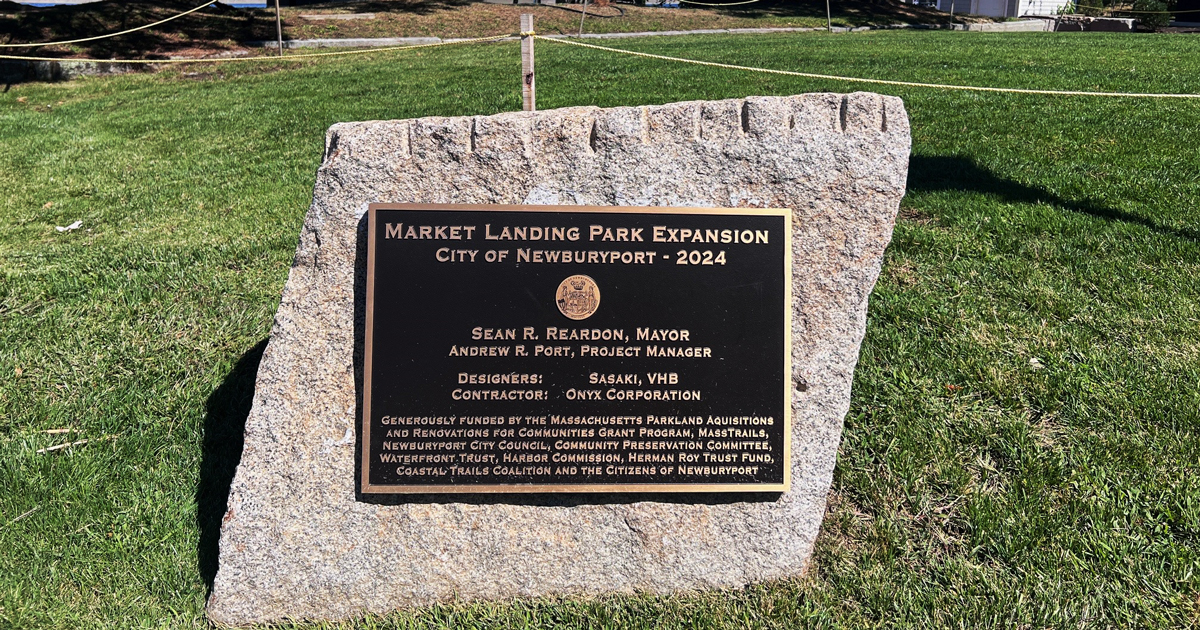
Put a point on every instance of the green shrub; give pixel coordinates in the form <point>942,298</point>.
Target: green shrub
<point>1152,14</point>
<point>1093,8</point>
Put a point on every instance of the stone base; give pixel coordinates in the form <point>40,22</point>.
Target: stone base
<point>298,542</point>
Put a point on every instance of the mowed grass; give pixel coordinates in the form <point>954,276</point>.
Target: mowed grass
<point>1022,444</point>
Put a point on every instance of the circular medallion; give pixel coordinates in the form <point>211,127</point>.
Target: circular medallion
<point>578,297</point>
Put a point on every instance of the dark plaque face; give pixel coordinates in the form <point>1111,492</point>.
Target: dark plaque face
<point>576,349</point>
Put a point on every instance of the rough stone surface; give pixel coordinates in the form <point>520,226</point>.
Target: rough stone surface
<point>16,71</point>
<point>1018,26</point>
<point>296,544</point>
<point>1087,23</point>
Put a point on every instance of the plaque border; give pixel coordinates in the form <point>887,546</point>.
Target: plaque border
<point>364,428</point>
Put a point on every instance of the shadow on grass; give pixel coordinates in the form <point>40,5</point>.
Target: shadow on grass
<point>224,426</point>
<point>217,27</point>
<point>940,172</point>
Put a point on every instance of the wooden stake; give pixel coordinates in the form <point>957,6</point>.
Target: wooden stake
<point>278,28</point>
<point>581,17</point>
<point>528,93</point>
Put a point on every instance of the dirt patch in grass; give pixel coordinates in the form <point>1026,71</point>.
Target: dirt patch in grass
<point>222,30</point>
<point>903,273</point>
<point>913,215</point>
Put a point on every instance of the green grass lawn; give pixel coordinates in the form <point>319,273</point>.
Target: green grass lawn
<point>975,486</point>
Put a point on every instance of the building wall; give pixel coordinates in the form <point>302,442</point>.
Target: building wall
<point>1042,7</point>
<point>1003,8</point>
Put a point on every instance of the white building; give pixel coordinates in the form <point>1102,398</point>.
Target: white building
<point>1004,8</point>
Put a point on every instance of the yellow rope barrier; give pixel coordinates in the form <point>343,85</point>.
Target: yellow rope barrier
<point>125,32</point>
<point>810,75</point>
<point>336,53</point>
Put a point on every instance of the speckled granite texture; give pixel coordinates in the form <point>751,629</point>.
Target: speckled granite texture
<point>296,544</point>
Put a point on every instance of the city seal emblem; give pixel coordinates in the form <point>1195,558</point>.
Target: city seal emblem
<point>578,297</point>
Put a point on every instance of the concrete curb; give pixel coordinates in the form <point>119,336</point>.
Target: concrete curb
<point>354,42</point>
<point>17,71</point>
<point>71,68</point>
<point>366,42</point>
<point>1023,26</point>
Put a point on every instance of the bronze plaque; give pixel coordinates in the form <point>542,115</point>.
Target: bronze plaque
<point>576,349</point>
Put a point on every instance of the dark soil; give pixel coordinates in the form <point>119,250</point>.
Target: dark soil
<point>214,29</point>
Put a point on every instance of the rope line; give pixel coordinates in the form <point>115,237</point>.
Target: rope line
<point>125,32</point>
<point>810,75</point>
<point>336,53</point>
